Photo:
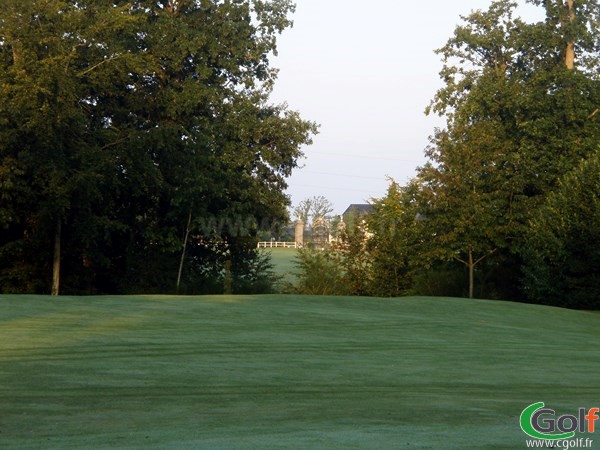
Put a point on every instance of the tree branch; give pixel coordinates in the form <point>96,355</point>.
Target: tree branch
<point>485,256</point>
<point>461,260</point>
<point>95,66</point>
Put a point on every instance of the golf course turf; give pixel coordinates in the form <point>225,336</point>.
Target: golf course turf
<point>287,371</point>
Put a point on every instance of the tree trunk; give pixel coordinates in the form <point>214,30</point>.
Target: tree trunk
<point>185,241</point>
<point>471,273</point>
<point>56,262</point>
<point>570,50</point>
<point>228,279</point>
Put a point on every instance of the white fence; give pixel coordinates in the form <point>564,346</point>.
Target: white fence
<point>275,244</point>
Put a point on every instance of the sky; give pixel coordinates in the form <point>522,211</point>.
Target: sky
<point>365,72</point>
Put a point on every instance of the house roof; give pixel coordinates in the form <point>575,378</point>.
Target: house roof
<point>358,208</point>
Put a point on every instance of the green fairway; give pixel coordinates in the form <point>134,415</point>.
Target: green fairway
<point>286,371</point>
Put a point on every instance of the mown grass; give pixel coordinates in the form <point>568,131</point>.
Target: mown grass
<point>286,371</point>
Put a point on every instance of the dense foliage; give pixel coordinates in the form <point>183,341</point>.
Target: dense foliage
<point>519,117</point>
<point>507,206</point>
<point>137,141</point>
<point>319,273</point>
<point>562,255</point>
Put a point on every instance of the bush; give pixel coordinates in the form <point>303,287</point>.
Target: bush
<point>253,273</point>
<point>318,273</point>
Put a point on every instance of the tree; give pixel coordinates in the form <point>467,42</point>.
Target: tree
<point>224,152</point>
<point>562,255</point>
<point>313,209</point>
<point>320,208</point>
<point>394,242</point>
<point>517,119</point>
<point>467,210</point>
<point>126,125</point>
<point>302,210</point>
<point>57,155</point>
<point>352,253</point>
<point>573,27</point>
<point>466,188</point>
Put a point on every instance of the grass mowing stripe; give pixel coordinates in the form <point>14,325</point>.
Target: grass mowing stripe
<point>286,371</point>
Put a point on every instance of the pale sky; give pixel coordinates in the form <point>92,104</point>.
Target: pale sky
<point>365,71</point>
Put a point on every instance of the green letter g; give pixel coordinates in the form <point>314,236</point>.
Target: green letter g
<point>529,427</point>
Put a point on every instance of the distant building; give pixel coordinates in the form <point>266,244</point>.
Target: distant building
<point>357,210</point>
<point>355,215</point>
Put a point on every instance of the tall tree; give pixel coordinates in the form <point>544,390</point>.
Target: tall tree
<point>467,210</point>
<point>50,139</point>
<point>302,210</point>
<point>468,188</point>
<point>573,27</point>
<point>321,207</point>
<point>125,124</point>
<point>512,127</point>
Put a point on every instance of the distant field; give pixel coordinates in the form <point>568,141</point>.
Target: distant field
<point>283,260</point>
<point>295,372</point>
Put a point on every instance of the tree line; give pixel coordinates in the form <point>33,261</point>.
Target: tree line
<point>508,204</point>
<point>127,126</point>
